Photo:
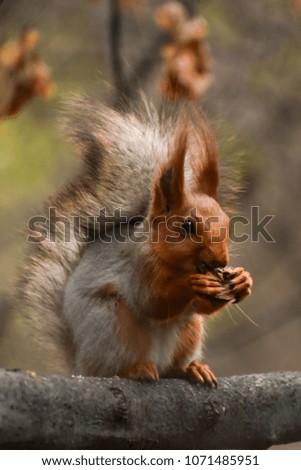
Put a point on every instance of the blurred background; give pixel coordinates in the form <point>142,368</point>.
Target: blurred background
<point>250,88</point>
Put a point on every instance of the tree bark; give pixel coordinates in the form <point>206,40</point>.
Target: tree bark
<point>57,412</point>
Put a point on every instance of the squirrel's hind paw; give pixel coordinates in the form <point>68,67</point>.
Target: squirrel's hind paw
<point>197,372</point>
<point>141,370</point>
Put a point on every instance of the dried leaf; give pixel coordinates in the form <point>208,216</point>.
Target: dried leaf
<point>29,40</point>
<point>187,60</point>
<point>23,74</point>
<point>171,16</point>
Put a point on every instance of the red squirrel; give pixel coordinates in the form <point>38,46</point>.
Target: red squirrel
<point>131,299</point>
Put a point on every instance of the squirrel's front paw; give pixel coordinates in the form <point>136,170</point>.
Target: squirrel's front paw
<point>197,372</point>
<point>141,370</point>
<point>207,285</point>
<point>239,283</point>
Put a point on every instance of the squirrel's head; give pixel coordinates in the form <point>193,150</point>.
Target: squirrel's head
<point>189,229</point>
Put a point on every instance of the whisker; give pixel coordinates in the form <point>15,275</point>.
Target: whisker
<point>234,249</point>
<point>229,313</point>
<point>247,316</point>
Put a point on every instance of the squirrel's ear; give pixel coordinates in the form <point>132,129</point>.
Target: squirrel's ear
<point>169,188</point>
<point>204,160</point>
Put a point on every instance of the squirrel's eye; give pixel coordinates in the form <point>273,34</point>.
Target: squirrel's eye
<point>189,226</point>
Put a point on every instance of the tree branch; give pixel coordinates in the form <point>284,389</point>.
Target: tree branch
<point>56,412</point>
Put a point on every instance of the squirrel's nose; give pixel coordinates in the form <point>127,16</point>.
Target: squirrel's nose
<point>218,263</point>
<point>214,262</point>
<point>215,256</point>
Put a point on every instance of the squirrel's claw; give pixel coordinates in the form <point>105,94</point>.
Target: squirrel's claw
<point>197,372</point>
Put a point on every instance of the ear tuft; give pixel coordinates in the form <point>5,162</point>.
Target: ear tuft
<point>169,190</point>
<point>204,159</point>
<point>166,183</point>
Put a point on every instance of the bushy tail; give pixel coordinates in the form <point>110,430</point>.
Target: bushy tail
<point>115,150</point>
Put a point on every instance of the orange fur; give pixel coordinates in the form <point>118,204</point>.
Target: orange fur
<point>104,292</point>
<point>168,276</point>
<point>169,189</point>
<point>146,370</point>
<point>197,372</point>
<point>133,332</point>
<point>204,160</point>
